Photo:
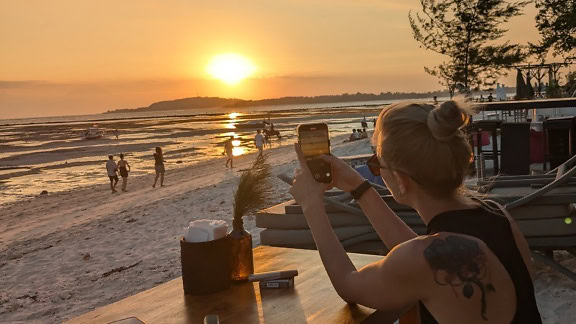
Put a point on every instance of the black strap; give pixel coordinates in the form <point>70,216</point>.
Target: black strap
<point>361,189</point>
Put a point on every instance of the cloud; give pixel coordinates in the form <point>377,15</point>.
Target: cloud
<point>20,84</point>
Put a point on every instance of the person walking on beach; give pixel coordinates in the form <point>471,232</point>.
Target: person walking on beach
<point>472,266</point>
<point>112,168</point>
<point>124,168</point>
<point>116,133</point>
<point>259,142</point>
<point>364,123</point>
<point>228,149</point>
<point>159,167</point>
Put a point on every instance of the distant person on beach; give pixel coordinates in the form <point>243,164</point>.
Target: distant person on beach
<point>159,167</point>
<point>124,168</point>
<point>357,134</point>
<point>228,149</point>
<point>364,133</point>
<point>472,266</point>
<point>116,133</point>
<point>259,142</point>
<point>435,102</point>
<point>112,168</point>
<point>353,135</point>
<point>364,123</point>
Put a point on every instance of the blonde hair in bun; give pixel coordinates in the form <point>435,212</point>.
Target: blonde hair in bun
<point>426,142</point>
<point>446,120</point>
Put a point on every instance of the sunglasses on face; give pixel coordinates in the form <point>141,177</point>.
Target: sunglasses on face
<point>374,165</point>
<point>375,168</point>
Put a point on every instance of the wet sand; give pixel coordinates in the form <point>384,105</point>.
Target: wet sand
<point>55,157</point>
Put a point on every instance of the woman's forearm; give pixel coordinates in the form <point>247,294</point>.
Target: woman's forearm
<point>337,263</point>
<point>390,228</point>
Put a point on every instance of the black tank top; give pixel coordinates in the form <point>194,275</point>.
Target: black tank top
<point>495,231</point>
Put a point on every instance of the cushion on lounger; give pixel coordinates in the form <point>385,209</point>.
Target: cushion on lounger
<point>278,237</point>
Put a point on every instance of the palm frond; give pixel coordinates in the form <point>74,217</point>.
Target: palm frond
<point>254,188</point>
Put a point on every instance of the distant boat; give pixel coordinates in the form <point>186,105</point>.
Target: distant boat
<point>93,133</point>
<point>251,124</point>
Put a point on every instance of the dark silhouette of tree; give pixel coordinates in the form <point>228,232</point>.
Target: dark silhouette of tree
<point>556,22</point>
<point>466,31</point>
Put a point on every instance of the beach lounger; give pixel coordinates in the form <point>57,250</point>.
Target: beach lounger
<point>543,215</point>
<point>559,233</point>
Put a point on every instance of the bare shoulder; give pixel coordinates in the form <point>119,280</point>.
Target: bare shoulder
<point>442,248</point>
<point>410,256</point>
<point>442,252</point>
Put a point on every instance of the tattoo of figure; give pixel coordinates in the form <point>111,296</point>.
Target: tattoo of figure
<point>458,261</point>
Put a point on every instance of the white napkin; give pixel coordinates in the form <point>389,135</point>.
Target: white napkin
<point>205,230</point>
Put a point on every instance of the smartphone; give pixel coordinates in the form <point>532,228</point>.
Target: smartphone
<point>314,141</point>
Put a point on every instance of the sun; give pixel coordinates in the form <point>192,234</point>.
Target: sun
<point>230,68</point>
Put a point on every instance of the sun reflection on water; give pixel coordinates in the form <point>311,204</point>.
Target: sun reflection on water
<point>236,151</point>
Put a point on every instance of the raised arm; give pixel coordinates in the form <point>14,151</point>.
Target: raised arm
<point>390,228</point>
<point>390,284</point>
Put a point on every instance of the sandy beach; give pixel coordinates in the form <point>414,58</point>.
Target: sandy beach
<point>67,253</point>
<point>53,156</point>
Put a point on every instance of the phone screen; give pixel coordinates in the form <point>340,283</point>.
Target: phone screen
<point>315,142</point>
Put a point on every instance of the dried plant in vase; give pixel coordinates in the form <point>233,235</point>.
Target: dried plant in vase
<point>252,194</point>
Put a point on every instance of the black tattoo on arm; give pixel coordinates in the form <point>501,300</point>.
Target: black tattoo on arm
<point>462,263</point>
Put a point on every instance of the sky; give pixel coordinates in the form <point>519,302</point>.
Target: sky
<point>70,57</point>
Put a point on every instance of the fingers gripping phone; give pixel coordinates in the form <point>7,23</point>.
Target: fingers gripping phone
<point>314,141</point>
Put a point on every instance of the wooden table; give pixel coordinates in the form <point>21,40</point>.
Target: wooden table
<point>312,300</point>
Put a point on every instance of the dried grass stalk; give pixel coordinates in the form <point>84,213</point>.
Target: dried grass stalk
<point>254,189</point>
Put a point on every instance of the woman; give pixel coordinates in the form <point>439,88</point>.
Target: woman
<point>229,150</point>
<point>473,266</point>
<point>124,168</point>
<point>159,167</point>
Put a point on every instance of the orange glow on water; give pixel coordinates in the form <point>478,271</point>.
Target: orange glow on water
<point>236,151</point>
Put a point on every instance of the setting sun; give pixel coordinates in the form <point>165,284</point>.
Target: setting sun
<point>230,68</point>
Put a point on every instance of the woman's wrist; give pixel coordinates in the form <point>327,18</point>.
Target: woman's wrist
<point>356,183</point>
<point>312,203</point>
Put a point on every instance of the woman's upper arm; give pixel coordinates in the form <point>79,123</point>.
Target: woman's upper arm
<point>398,280</point>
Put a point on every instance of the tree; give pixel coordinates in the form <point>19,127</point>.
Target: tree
<point>556,22</point>
<point>466,31</point>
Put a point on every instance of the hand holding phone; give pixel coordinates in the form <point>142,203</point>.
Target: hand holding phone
<point>314,141</point>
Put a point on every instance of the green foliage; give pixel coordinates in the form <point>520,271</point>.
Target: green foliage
<point>570,85</point>
<point>253,189</point>
<point>466,31</point>
<point>556,22</point>
<point>554,90</point>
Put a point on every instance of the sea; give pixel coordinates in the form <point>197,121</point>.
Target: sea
<point>51,154</point>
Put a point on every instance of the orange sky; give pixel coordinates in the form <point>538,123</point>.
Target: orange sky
<point>64,57</point>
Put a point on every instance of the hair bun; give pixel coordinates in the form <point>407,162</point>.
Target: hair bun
<point>446,120</point>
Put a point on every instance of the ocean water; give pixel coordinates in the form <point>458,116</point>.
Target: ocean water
<point>51,154</point>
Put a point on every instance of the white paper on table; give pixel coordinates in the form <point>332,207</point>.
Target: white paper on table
<point>205,230</point>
